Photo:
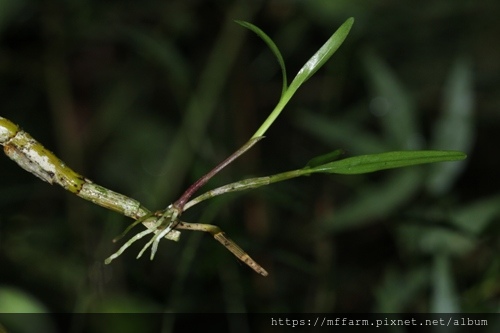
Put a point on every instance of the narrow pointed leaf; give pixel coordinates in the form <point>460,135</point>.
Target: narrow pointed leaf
<point>273,48</point>
<point>322,56</point>
<point>389,160</point>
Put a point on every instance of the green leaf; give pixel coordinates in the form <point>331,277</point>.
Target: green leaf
<point>322,55</point>
<point>389,160</point>
<point>311,66</point>
<point>273,48</point>
<point>326,158</point>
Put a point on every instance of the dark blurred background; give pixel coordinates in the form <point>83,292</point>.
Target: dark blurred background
<point>144,97</point>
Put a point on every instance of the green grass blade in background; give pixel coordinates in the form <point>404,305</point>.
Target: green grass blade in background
<point>444,297</point>
<point>455,127</point>
<point>431,239</point>
<point>374,202</point>
<point>398,289</point>
<point>164,53</point>
<point>475,217</point>
<point>389,160</point>
<point>392,105</point>
<point>340,132</point>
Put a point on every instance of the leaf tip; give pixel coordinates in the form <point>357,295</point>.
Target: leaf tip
<point>349,23</point>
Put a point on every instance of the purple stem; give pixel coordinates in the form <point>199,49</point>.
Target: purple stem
<point>179,204</point>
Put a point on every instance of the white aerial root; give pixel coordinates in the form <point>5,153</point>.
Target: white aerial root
<point>170,214</point>
<point>127,244</point>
